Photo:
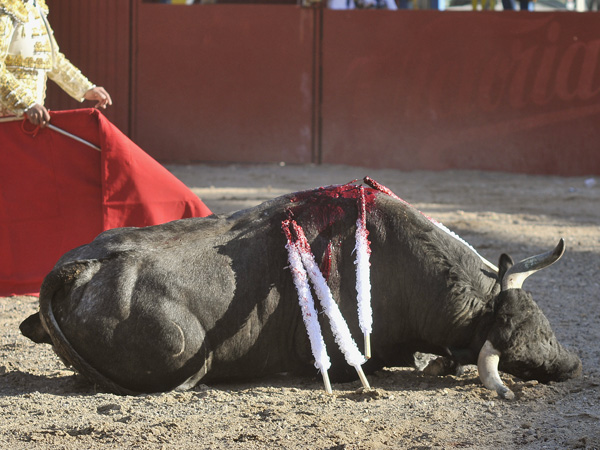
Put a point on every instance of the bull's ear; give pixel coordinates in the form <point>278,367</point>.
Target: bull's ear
<point>505,263</point>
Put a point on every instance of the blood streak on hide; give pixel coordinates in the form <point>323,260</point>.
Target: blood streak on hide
<point>380,187</point>
<point>326,263</point>
<point>362,218</point>
<point>324,209</point>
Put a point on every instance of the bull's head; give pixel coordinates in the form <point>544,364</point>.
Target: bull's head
<point>521,341</point>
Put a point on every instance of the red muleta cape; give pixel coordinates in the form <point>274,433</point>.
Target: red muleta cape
<point>57,193</point>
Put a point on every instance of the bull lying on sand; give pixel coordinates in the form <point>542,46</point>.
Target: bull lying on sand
<point>162,307</point>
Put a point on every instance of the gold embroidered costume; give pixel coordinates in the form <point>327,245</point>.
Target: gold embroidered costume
<point>29,55</point>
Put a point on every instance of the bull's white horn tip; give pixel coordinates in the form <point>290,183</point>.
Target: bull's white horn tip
<point>505,393</point>
<point>487,366</point>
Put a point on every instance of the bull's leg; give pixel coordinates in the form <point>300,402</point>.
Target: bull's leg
<point>441,366</point>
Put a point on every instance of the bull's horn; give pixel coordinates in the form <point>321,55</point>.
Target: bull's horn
<point>517,274</point>
<point>487,365</point>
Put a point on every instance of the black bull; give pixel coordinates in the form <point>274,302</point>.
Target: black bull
<point>156,308</point>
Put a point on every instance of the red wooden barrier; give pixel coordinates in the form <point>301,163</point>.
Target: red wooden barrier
<point>404,89</point>
<point>224,83</point>
<point>96,36</point>
<point>433,90</point>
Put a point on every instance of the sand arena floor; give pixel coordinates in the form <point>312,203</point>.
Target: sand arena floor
<point>45,405</point>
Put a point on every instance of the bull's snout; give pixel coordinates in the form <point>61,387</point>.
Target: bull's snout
<point>564,366</point>
<point>575,369</point>
<point>567,365</point>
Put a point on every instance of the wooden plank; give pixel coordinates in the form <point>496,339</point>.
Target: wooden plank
<point>95,36</point>
<point>460,90</point>
<point>224,82</point>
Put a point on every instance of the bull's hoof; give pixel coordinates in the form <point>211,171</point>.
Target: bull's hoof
<point>442,366</point>
<point>33,329</point>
